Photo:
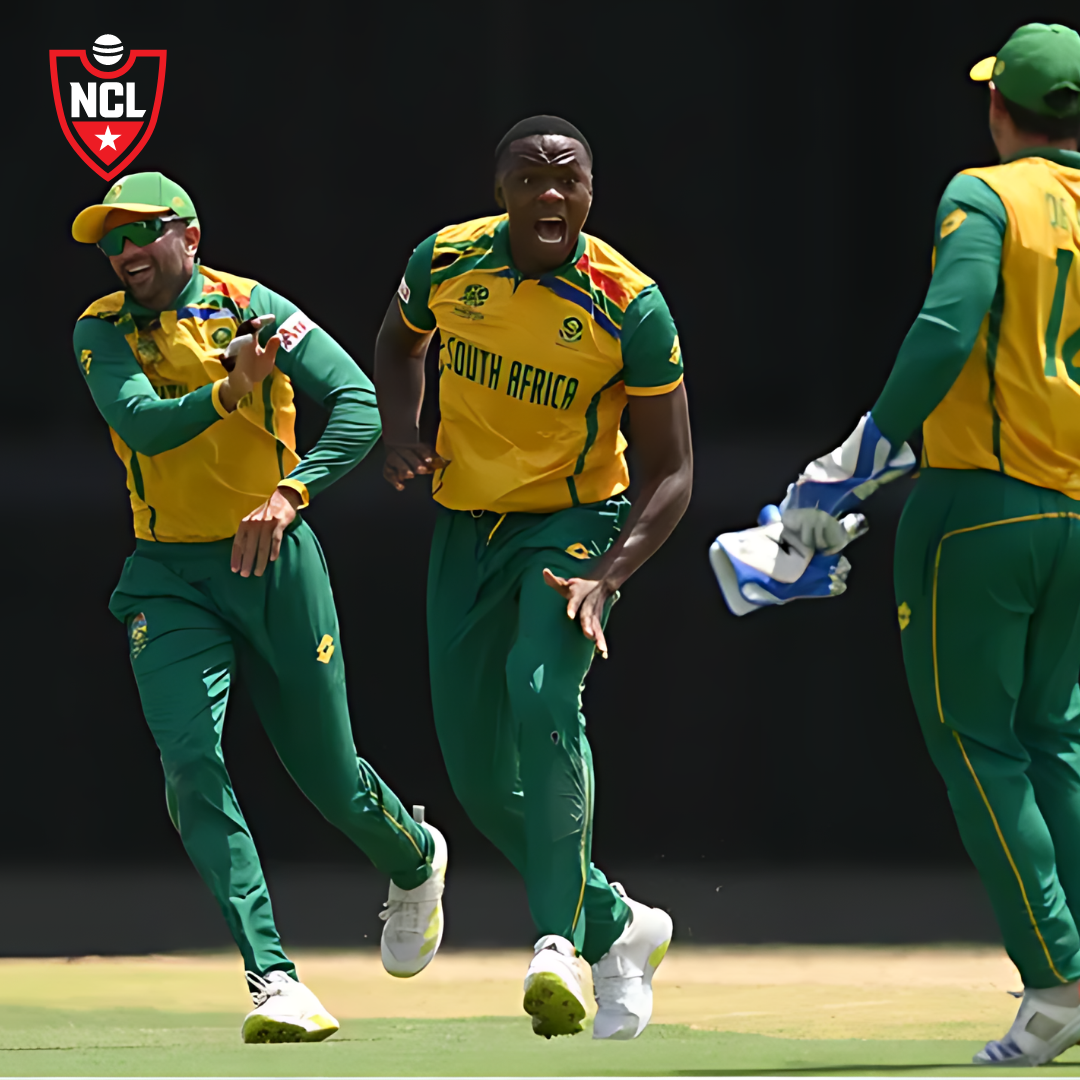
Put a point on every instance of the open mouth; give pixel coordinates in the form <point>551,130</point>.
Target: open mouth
<point>551,230</point>
<point>138,271</point>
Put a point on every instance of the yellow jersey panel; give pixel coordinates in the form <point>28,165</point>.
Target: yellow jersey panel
<point>198,491</point>
<point>1015,407</point>
<point>534,373</point>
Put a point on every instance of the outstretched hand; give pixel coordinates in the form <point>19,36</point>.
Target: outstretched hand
<point>406,461</point>
<point>586,599</point>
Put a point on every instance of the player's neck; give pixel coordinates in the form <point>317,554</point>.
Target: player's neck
<point>1012,142</point>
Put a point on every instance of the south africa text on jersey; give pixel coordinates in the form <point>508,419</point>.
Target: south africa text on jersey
<point>522,381</point>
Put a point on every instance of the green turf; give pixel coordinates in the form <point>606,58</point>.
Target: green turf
<point>146,1042</point>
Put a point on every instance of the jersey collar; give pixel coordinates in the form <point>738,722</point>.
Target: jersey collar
<point>1069,158</point>
<point>191,291</point>
<point>501,250</point>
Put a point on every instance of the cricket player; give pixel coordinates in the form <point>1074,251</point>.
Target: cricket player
<point>226,574</point>
<point>545,335</point>
<point>988,550</point>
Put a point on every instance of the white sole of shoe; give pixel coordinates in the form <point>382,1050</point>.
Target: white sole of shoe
<point>555,1009</point>
<point>264,1029</point>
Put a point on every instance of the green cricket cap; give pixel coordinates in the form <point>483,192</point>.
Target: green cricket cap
<point>145,193</point>
<point>1038,68</point>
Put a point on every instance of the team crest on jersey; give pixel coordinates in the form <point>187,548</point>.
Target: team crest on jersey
<point>107,103</point>
<point>571,329</point>
<point>137,632</point>
<point>472,298</point>
<point>148,350</point>
<point>475,295</point>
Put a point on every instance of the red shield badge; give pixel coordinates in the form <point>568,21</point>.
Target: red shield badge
<point>107,115</point>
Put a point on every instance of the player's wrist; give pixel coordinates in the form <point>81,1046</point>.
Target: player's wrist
<point>237,386</point>
<point>291,495</point>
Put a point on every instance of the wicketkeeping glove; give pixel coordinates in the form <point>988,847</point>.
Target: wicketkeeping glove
<point>770,565</point>
<point>841,481</point>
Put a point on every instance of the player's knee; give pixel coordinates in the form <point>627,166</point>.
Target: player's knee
<point>480,800</point>
<point>536,686</point>
<point>192,765</point>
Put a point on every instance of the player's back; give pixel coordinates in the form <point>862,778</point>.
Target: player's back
<point>1015,408</point>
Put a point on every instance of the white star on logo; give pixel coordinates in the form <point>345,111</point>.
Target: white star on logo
<point>108,139</point>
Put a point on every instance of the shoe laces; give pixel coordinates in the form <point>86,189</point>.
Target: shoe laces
<point>407,915</point>
<point>263,989</point>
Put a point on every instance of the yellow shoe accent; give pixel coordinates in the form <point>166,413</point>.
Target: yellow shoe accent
<point>658,954</point>
<point>554,1008</point>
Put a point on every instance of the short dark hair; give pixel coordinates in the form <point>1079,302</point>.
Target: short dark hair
<point>540,125</point>
<point>1052,127</point>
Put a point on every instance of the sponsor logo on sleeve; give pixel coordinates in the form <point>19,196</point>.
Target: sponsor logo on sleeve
<point>952,223</point>
<point>294,329</point>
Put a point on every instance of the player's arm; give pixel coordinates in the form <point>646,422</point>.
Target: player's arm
<point>970,227</point>
<point>126,398</point>
<point>400,350</point>
<point>319,367</point>
<point>663,460</point>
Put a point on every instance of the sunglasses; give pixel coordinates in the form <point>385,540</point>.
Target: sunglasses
<point>140,233</point>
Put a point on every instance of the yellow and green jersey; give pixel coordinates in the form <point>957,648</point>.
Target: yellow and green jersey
<point>992,365</point>
<point>534,373</point>
<point>193,469</point>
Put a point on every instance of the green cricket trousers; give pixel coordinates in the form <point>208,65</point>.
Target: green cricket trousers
<point>507,671</point>
<point>191,622</point>
<point>988,587</point>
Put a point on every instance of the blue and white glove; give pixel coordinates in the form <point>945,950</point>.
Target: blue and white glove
<point>841,481</point>
<point>769,565</point>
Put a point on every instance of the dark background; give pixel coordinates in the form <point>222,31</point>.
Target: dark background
<point>776,169</point>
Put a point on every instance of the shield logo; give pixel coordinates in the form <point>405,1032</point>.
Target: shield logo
<point>107,115</point>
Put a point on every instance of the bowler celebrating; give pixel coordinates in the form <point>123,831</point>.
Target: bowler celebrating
<point>226,574</point>
<point>988,550</point>
<point>546,334</point>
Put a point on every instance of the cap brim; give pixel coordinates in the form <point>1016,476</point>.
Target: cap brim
<point>89,226</point>
<point>983,71</point>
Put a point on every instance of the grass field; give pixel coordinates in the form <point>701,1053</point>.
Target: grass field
<point>719,1011</point>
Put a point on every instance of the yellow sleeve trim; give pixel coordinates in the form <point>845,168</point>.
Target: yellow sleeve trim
<point>215,397</point>
<point>301,487</point>
<point>409,324</point>
<point>653,391</point>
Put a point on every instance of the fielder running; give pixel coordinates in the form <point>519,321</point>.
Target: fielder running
<point>226,574</point>
<point>546,334</point>
<point>988,550</point>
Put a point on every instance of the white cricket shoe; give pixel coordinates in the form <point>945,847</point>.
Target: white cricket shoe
<point>1043,1029</point>
<point>553,995</point>
<point>622,977</point>
<point>414,918</point>
<point>285,1011</point>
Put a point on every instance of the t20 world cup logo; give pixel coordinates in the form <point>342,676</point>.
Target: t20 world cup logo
<point>107,106</point>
